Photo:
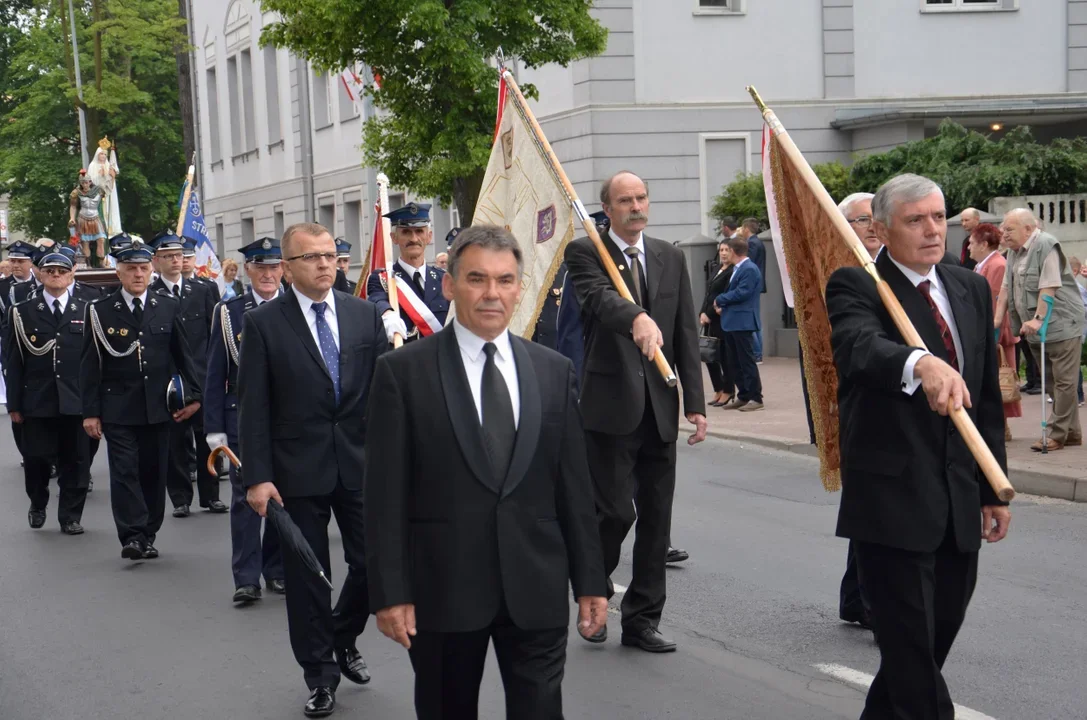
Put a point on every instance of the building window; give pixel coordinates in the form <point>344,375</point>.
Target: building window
<point>326,215</point>
<point>352,228</point>
<point>209,47</point>
<point>271,93</point>
<point>213,116</point>
<point>237,25</point>
<point>245,68</point>
<point>322,101</point>
<point>248,231</point>
<point>348,109</point>
<point>277,221</point>
<point>243,135</point>
<point>935,6</point>
<point>720,7</point>
<point>220,234</point>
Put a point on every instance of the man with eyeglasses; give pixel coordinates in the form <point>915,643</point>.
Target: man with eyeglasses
<point>44,339</point>
<point>251,555</point>
<point>857,209</point>
<point>188,268</point>
<point>20,258</point>
<point>188,449</point>
<point>303,383</point>
<point>423,307</point>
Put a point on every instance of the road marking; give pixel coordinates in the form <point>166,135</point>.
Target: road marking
<point>619,589</point>
<point>862,679</point>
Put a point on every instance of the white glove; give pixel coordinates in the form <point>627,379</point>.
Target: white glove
<point>394,325</point>
<point>216,440</point>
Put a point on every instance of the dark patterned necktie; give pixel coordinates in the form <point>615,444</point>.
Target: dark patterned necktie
<point>327,342</point>
<point>636,272</point>
<point>137,310</point>
<point>498,428</point>
<point>925,286</point>
<point>57,312</point>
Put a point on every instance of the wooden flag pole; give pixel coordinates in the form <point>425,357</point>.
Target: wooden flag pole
<point>583,214</point>
<point>386,232</point>
<point>981,452</point>
<point>185,198</point>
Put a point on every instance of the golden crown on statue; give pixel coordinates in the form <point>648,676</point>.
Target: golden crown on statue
<point>105,144</point>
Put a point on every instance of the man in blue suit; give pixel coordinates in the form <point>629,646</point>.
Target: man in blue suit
<point>756,252</point>
<point>740,320</point>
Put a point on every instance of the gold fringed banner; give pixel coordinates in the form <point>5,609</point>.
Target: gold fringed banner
<point>812,253</point>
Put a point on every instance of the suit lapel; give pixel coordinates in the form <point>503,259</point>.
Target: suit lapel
<point>621,262</point>
<point>462,410</point>
<point>528,428</point>
<point>654,268</point>
<point>915,305</point>
<point>293,311</point>
<point>150,310</point>
<point>965,320</point>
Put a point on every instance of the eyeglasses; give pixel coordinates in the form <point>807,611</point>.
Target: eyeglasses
<point>56,271</point>
<point>313,258</point>
<point>863,220</point>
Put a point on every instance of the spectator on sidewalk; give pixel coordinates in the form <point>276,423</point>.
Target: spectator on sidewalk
<point>1037,268</point>
<point>857,209</point>
<point>1079,271</point>
<point>728,227</point>
<point>970,219</point>
<point>756,252</point>
<point>989,263</point>
<point>740,321</point>
<point>719,370</point>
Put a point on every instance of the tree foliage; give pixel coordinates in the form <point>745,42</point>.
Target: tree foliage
<point>130,94</point>
<point>438,81</point>
<point>746,196</point>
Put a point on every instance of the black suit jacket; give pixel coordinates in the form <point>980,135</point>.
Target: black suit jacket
<point>906,471</point>
<point>717,285</point>
<point>618,379</point>
<point>198,299</point>
<point>292,431</point>
<point>441,531</point>
<point>36,386</point>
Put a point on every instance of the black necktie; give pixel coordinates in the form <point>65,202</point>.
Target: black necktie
<point>177,291</point>
<point>636,273</point>
<point>137,310</point>
<point>57,312</point>
<point>417,278</point>
<point>499,432</point>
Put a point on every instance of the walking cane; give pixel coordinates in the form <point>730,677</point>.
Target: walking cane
<point>1045,403</point>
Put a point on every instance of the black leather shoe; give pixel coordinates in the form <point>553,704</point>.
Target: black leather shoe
<point>321,703</point>
<point>277,586</point>
<point>132,550</point>
<point>217,507</point>
<point>352,666</point>
<point>601,636</point>
<point>649,639</point>
<point>247,594</point>
<point>182,511</point>
<point>676,555</point>
<point>150,552</point>
<point>36,518</point>
<point>857,616</point>
<point>71,528</point>
<point>53,472</point>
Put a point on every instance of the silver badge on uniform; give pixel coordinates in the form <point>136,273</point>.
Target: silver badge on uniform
<point>267,244</point>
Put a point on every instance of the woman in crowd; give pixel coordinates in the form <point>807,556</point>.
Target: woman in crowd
<point>232,286</point>
<point>720,375</point>
<point>985,251</point>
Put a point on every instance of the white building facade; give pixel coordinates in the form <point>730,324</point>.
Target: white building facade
<point>280,144</point>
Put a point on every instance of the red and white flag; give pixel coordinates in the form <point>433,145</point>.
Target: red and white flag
<point>354,86</point>
<point>772,213</point>
<point>375,256</point>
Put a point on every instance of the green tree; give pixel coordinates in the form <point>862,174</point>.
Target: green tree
<point>746,195</point>
<point>129,94</point>
<point>438,84</point>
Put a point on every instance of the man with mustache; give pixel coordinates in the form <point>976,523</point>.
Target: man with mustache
<point>423,307</point>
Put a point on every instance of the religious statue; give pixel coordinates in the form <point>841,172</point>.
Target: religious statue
<point>84,221</point>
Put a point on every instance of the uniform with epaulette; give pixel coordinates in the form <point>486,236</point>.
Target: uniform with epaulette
<point>423,306</point>
<point>45,340</point>
<point>22,254</point>
<point>136,372</point>
<point>343,264</point>
<point>188,449</point>
<point>251,555</point>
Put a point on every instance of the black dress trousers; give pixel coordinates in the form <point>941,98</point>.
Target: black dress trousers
<point>137,478</point>
<point>61,438</point>
<point>184,458</point>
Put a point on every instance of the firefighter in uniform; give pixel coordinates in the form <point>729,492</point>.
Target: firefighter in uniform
<point>343,264</point>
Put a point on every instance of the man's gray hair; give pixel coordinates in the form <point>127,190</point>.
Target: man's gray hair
<point>905,188</point>
<point>1023,215</point>
<point>845,205</point>
<point>488,237</point>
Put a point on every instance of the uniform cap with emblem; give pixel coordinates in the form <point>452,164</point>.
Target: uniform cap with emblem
<point>451,236</point>
<point>128,249</point>
<point>22,251</point>
<point>167,241</point>
<point>55,259</point>
<point>411,215</point>
<point>263,251</point>
<point>188,247</point>
<point>603,222</point>
<point>343,249</point>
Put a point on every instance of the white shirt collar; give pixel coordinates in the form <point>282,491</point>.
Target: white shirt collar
<point>171,285</point>
<point>623,244</point>
<point>736,265</point>
<point>49,298</point>
<point>305,303</point>
<point>916,278</point>
<point>412,270</point>
<point>472,344</point>
<point>260,301</point>
<point>977,268</point>
<point>129,297</point>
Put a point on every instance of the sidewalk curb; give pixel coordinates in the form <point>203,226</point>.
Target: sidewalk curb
<point>1022,477</point>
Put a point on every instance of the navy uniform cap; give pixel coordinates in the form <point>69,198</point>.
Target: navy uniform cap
<point>601,219</point>
<point>22,250</point>
<point>343,249</point>
<point>264,251</point>
<point>167,241</point>
<point>411,215</point>
<point>127,249</point>
<point>451,236</point>
<point>188,247</point>
<point>55,259</point>
<point>67,252</point>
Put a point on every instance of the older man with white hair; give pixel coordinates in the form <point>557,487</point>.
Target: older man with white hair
<point>857,209</point>
<point>914,503</point>
<point>1038,274</point>
<point>970,218</point>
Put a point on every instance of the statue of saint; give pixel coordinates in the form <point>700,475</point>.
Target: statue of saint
<point>84,221</point>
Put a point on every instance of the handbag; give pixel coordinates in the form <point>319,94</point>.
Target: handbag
<point>707,348</point>
<point>1009,380</point>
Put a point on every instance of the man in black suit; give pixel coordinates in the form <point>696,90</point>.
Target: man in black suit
<point>304,378</point>
<point>21,258</point>
<point>914,502</point>
<point>480,537</point>
<point>133,344</point>
<point>197,309</point>
<point>45,337</point>
<point>631,415</point>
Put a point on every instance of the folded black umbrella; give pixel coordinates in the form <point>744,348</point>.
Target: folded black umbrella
<point>291,538</point>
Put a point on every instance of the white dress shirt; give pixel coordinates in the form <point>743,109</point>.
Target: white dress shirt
<point>735,268</point>
<point>260,301</point>
<point>412,270</point>
<point>623,245</point>
<point>171,285</point>
<point>311,317</point>
<point>129,297</point>
<point>471,353</point>
<point>49,299</point>
<point>939,296</point>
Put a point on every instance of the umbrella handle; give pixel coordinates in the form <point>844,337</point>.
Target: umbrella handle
<point>222,450</point>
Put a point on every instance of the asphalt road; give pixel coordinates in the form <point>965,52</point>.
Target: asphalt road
<point>84,634</point>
